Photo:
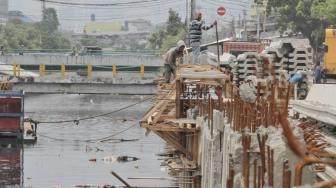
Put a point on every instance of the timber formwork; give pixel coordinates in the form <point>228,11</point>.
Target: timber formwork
<point>168,117</point>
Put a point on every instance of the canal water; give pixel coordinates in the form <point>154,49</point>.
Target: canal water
<point>62,157</point>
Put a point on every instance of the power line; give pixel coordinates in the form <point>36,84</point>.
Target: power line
<point>87,140</point>
<point>227,7</point>
<point>233,3</point>
<point>76,121</point>
<point>123,7</point>
<point>104,18</point>
<point>102,4</point>
<point>162,11</point>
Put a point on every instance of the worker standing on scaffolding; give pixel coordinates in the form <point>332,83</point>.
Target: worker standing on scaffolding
<point>171,58</point>
<point>195,35</point>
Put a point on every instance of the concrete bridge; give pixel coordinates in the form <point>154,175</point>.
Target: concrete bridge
<point>106,74</point>
<point>63,59</point>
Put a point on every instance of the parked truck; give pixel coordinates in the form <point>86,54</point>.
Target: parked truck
<point>330,52</point>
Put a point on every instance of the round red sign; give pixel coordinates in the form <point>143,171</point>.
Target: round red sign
<point>221,11</point>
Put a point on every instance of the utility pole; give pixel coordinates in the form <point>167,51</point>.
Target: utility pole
<point>43,5</point>
<point>187,22</point>
<point>265,4</point>
<point>187,13</point>
<point>239,28</point>
<point>233,28</point>
<point>245,30</point>
<point>192,9</point>
<point>258,22</point>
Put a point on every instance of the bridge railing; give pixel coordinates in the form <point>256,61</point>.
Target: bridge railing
<point>63,71</point>
<point>59,59</point>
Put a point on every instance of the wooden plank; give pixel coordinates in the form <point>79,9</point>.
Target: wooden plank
<point>151,111</point>
<point>173,141</point>
<point>195,147</point>
<point>178,99</point>
<point>166,128</point>
<point>182,120</point>
<point>161,109</point>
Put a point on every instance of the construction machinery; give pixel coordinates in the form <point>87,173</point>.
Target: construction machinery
<point>329,53</point>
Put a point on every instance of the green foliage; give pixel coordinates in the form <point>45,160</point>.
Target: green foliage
<point>49,21</point>
<point>174,23</point>
<point>171,40</point>
<point>167,37</point>
<point>325,11</point>
<point>88,41</point>
<point>55,41</point>
<point>156,39</point>
<point>34,36</point>
<point>310,17</point>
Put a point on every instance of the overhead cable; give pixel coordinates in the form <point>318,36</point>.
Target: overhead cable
<point>100,4</point>
<point>76,121</point>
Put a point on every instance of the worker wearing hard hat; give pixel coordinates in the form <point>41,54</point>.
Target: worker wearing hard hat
<point>195,35</point>
<point>171,58</point>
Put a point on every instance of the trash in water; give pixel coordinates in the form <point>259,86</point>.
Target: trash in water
<point>95,186</point>
<point>112,159</point>
<point>109,159</point>
<point>93,160</point>
<point>127,158</point>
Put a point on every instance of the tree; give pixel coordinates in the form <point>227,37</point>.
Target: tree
<point>309,17</point>
<point>167,37</point>
<point>156,39</point>
<point>35,36</point>
<point>88,41</point>
<point>49,21</point>
<point>325,11</point>
<point>171,41</point>
<point>174,23</point>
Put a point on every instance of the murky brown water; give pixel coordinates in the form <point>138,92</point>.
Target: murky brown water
<point>56,160</point>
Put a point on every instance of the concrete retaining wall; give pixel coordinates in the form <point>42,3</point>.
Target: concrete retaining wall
<point>215,154</point>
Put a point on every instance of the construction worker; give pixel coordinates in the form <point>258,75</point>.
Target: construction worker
<point>195,35</point>
<point>318,73</point>
<point>171,58</point>
<point>297,77</point>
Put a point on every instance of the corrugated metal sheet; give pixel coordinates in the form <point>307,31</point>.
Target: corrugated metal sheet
<point>10,105</point>
<point>12,124</point>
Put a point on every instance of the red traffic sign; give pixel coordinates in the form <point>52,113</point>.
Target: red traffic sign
<point>221,11</point>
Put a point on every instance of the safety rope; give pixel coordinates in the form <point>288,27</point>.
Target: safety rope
<point>76,121</point>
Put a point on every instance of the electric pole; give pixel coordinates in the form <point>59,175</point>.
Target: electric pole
<point>265,3</point>
<point>187,22</point>
<point>43,5</point>
<point>192,9</point>
<point>233,28</point>
<point>187,13</point>
<point>239,28</point>
<point>258,22</point>
<point>245,30</point>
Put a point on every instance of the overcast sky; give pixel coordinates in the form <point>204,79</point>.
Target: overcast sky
<point>74,17</point>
